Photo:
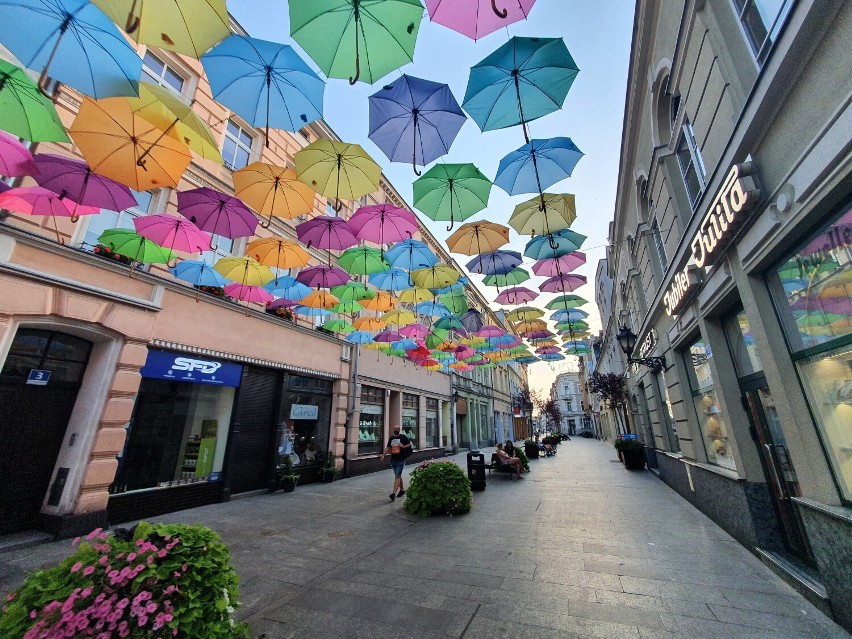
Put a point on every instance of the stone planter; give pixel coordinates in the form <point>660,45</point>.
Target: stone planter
<point>634,459</point>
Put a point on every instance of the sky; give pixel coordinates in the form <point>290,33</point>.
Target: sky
<point>598,35</point>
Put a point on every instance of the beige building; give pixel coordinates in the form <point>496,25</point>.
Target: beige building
<point>730,257</point>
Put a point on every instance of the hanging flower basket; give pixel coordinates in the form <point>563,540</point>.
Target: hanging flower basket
<point>101,250</point>
<point>216,291</point>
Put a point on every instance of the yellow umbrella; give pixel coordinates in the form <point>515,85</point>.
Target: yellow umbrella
<point>416,295</point>
<point>473,238</point>
<point>525,313</point>
<point>369,324</point>
<point>381,302</point>
<point>374,346</point>
<point>399,317</point>
<point>544,214</point>
<point>319,299</point>
<point>432,367</point>
<point>531,325</point>
<point>547,342</point>
<point>337,169</point>
<point>162,108</point>
<point>244,270</point>
<point>117,143</point>
<point>277,253</point>
<point>273,190</point>
<point>438,276</point>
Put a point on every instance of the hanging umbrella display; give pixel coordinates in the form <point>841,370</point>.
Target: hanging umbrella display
<point>307,311</point>
<point>398,317</point>
<point>323,276</point>
<point>432,309</point>
<point>457,303</point>
<point>198,273</point>
<point>410,255</point>
<point>525,313</point>
<point>277,253</point>
<point>36,200</point>
<point>369,324</point>
<point>288,288</point>
<point>415,295</point>
<point>326,232</point>
<point>558,265</point>
<point>338,326</point>
<point>248,293</point>
<point>265,83</point>
<point>563,283</point>
<point>516,295</point>
<point>362,260</point>
<point>319,299</point>
<point>473,238</point>
<point>381,302</point>
<point>334,32</point>
<point>125,147</point>
<point>71,41</point>
<point>530,326</point>
<point>472,321</point>
<point>566,301</point>
<point>451,192</point>
<point>495,263</point>
<point>273,190</point>
<point>337,170</point>
<point>132,245</point>
<point>512,278</point>
<point>347,307</point>
<point>393,279</point>
<point>352,292</point>
<point>15,159</point>
<point>523,80</point>
<point>218,213</point>
<point>477,18</point>
<point>554,244</point>
<point>449,323</point>
<point>414,120</point>
<point>383,223</point>
<point>414,331</point>
<point>244,270</point>
<point>359,337</point>
<point>173,233</point>
<point>537,165</point>
<point>435,276</point>
<point>544,214</point>
<point>24,110</point>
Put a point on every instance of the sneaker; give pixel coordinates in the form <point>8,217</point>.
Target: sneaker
<point>392,496</point>
<point>400,493</point>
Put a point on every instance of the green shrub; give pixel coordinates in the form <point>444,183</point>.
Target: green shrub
<point>627,444</point>
<point>163,580</point>
<point>438,487</point>
<point>520,454</point>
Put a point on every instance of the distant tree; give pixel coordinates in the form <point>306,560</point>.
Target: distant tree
<point>612,390</point>
<point>553,413</point>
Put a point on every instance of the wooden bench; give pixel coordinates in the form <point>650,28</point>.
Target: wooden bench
<point>500,467</point>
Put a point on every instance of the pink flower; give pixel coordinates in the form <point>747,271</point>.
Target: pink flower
<point>33,614</point>
<point>150,559</point>
<point>88,570</point>
<point>10,596</point>
<point>102,561</point>
<point>86,592</point>
<point>76,541</point>
<point>94,533</point>
<point>184,568</point>
<point>76,567</point>
<point>131,557</point>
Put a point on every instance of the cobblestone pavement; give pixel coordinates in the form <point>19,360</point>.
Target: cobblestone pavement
<point>580,548</point>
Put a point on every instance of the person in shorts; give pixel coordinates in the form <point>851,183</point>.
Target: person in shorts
<point>395,448</point>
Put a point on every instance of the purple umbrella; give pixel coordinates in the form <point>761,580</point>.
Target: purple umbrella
<point>414,120</point>
<point>495,263</point>
<point>563,283</point>
<point>323,276</point>
<point>387,337</point>
<point>4,187</point>
<point>324,231</point>
<point>75,181</point>
<point>282,302</point>
<point>217,212</point>
<point>490,331</point>
<point>15,158</point>
<point>383,223</point>
<point>547,350</point>
<point>558,265</point>
<point>477,18</point>
<point>516,295</point>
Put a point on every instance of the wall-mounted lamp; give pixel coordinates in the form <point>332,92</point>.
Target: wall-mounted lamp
<point>627,340</point>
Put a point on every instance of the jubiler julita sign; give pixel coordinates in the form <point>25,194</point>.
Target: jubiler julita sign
<point>734,200</point>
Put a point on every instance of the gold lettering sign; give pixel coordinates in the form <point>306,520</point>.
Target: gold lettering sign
<point>680,289</point>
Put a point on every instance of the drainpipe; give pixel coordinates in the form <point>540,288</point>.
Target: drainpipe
<point>353,392</point>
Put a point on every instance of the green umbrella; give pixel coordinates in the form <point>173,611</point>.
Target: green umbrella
<point>137,248</point>
<point>338,326</point>
<point>362,260</point>
<point>513,277</point>
<point>437,337</point>
<point>352,292</point>
<point>573,326</point>
<point>346,307</point>
<point>394,352</point>
<point>337,169</point>
<point>451,192</point>
<point>449,323</point>
<point>442,355</point>
<point>330,32</point>
<point>24,111</point>
<point>566,301</point>
<point>455,302</point>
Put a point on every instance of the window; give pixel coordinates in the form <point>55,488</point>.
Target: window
<point>159,72</point>
<point>658,242</point>
<point>691,165</point>
<point>330,210</point>
<point>371,424</point>
<point>237,147</point>
<point>106,220</point>
<point>410,417</point>
<point>432,434</point>
<point>569,405</point>
<point>762,21</point>
<point>222,247</point>
<point>741,343</point>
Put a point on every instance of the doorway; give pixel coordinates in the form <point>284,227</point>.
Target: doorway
<point>39,384</point>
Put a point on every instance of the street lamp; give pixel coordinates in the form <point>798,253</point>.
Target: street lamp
<point>627,340</point>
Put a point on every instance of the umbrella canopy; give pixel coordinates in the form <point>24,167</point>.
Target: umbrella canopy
<point>472,321</point>
<point>523,80</point>
<point>513,277</point>
<point>319,299</point>
<point>489,330</point>
<point>558,265</point>
<point>248,293</point>
<point>288,288</point>
<point>563,283</point>
<point>435,276</point>
<point>323,276</point>
<point>307,311</point>
<point>337,169</point>
<point>352,292</point>
<point>415,295</point>
<point>566,301</point>
<point>265,83</point>
<point>71,41</point>
<point>217,212</point>
<point>174,233</point>
<point>118,143</point>
<point>198,273</point>
<point>530,326</point>
<point>455,302</point>
<point>495,263</point>
<point>393,279</point>
<point>414,331</point>
<point>399,317</point>
<point>381,302</point>
<point>277,253</point>
<point>433,309</point>
<point>525,313</point>
<point>451,192</point>
<point>244,270</point>
<point>273,190</point>
<point>544,214</point>
<point>383,223</point>
<point>359,337</point>
<point>449,323</point>
<point>474,238</point>
<point>190,27</point>
<point>15,159</point>
<point>24,110</point>
<point>414,120</point>
<point>410,255</point>
<point>326,232</point>
<point>347,307</point>
<point>362,260</point>
<point>36,200</point>
<point>369,324</point>
<point>129,244</point>
<point>75,181</point>
<point>334,32</point>
<point>516,295</point>
<point>554,244</point>
<point>339,326</point>
<point>476,18</point>
<point>537,165</point>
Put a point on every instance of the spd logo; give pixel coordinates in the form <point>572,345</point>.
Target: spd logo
<point>188,364</point>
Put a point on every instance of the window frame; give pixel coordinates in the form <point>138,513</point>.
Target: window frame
<point>696,164</point>
<point>131,212</point>
<point>659,245</point>
<point>160,79</point>
<point>239,144</point>
<point>760,51</point>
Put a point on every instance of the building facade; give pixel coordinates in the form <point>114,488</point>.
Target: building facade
<point>731,256</point>
<point>567,392</point>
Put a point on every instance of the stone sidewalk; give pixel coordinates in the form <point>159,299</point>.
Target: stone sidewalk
<point>580,548</point>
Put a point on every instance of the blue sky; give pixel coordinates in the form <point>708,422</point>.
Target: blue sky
<point>598,36</point>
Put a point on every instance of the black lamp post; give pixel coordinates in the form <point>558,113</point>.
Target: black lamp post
<point>627,340</point>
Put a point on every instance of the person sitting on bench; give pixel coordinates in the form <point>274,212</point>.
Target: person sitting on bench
<point>509,447</point>
<point>514,462</point>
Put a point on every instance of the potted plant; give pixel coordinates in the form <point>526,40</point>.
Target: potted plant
<point>102,250</point>
<point>531,449</point>
<point>331,470</point>
<point>285,478</point>
<point>631,452</point>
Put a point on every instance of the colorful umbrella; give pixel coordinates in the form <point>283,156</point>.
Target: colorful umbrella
<point>381,302</point>
<point>516,295</point>
<point>319,299</point>
<point>472,320</point>
<point>265,83</point>
<point>383,223</point>
<point>451,192</point>
<point>563,283</point>
<point>198,273</point>
<point>537,165</point>
<point>558,265</point>
<point>347,307</point>
<point>326,232</point>
<point>352,292</point>
<point>218,213</point>
<point>36,200</point>
<point>513,277</point>
<point>273,190</point>
<point>544,214</point>
<point>432,309</point>
<point>554,244</point>
<point>523,80</point>
<point>330,31</point>
<point>134,246</point>
<point>495,263</point>
<point>190,27</point>
<point>15,159</point>
<point>362,260</point>
<point>307,311</point>
<point>398,317</point>
<point>473,238</point>
<point>415,295</point>
<point>393,279</point>
<point>474,18</point>
<point>435,276</point>
<point>525,313</point>
<point>277,253</point>
<point>287,287</point>
<point>414,331</point>
<point>369,324</point>
<point>337,169</point>
<point>323,276</point>
<point>244,270</point>
<point>414,120</point>
<point>338,326</point>
<point>248,293</point>
<point>71,41</point>
<point>566,301</point>
<point>24,110</point>
<point>410,255</point>
<point>359,337</point>
<point>174,233</point>
<point>456,303</point>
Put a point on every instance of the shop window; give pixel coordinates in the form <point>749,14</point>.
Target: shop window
<point>159,72</point>
<point>711,419</point>
<point>762,21</point>
<point>105,220</point>
<point>690,163</point>
<point>659,244</point>
<point>305,418</point>
<point>372,422</point>
<point>741,342</point>
<point>410,417</point>
<point>237,146</point>
<point>432,433</point>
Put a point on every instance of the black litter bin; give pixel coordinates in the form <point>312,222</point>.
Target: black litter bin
<point>476,470</point>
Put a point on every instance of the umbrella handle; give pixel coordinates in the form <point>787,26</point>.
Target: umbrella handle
<point>414,166</point>
<point>338,205</point>
<point>553,244</point>
<point>503,13</point>
<point>132,21</point>
<point>357,58</point>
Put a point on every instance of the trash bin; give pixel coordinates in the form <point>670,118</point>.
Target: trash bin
<point>476,470</point>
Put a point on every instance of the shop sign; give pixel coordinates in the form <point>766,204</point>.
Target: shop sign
<point>38,378</point>
<point>372,409</point>
<point>683,285</point>
<point>409,412</point>
<point>178,367</point>
<point>304,411</point>
<point>647,346</point>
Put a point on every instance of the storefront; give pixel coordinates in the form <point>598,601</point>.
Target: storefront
<point>303,420</point>
<point>411,418</point>
<point>432,423</point>
<point>371,426</point>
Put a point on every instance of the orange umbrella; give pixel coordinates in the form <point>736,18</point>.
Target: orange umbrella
<point>369,324</point>
<point>319,299</point>
<point>474,238</point>
<point>381,302</point>
<point>277,253</point>
<point>274,191</point>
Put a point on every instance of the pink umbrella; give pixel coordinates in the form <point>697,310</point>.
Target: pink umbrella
<point>559,265</point>
<point>174,233</point>
<point>217,212</point>
<point>463,352</point>
<point>383,223</point>
<point>563,283</point>
<point>477,18</point>
<point>326,232</point>
<point>245,293</point>
<point>414,330</point>
<point>323,276</point>
<point>15,158</point>
<point>36,200</point>
<point>538,335</point>
<point>516,295</point>
<point>547,350</point>
<point>282,302</point>
<point>490,331</point>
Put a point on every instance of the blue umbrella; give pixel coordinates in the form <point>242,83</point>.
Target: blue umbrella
<point>551,357</point>
<point>198,273</point>
<point>570,314</point>
<point>404,344</point>
<point>307,311</point>
<point>523,80</point>
<point>394,279</point>
<point>433,309</point>
<point>414,120</point>
<point>288,287</point>
<point>71,41</point>
<point>359,337</point>
<point>554,244</point>
<point>410,255</point>
<point>537,165</point>
<point>528,359</point>
<point>264,82</point>
<point>461,283</point>
<point>495,263</point>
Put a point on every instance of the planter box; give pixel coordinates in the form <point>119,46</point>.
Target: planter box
<point>531,451</point>
<point>633,459</point>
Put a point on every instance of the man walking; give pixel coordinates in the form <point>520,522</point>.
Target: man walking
<point>399,448</point>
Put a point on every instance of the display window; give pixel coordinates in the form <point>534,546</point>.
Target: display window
<point>305,418</point>
<point>711,418</point>
<point>432,432</point>
<point>741,342</point>
<point>372,422</point>
<point>411,417</point>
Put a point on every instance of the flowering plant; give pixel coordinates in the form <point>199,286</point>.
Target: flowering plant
<point>105,251</point>
<point>158,581</point>
<point>218,291</point>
